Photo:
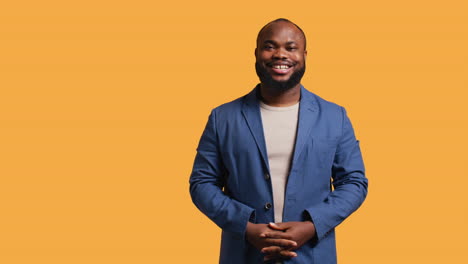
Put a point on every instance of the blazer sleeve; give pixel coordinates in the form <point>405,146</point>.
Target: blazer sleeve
<point>349,182</point>
<point>207,182</point>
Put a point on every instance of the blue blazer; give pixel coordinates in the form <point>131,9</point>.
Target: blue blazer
<point>230,180</point>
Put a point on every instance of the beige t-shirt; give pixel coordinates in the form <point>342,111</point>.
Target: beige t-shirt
<point>279,128</point>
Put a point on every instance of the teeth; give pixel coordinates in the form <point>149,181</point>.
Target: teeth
<point>281,66</point>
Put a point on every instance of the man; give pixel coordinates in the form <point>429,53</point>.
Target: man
<point>279,154</point>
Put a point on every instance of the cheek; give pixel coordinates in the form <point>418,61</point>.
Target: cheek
<point>300,60</point>
<point>264,58</point>
<point>264,55</point>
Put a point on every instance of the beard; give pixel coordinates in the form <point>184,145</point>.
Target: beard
<point>280,86</point>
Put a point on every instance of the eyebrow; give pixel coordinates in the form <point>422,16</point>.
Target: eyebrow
<point>268,41</point>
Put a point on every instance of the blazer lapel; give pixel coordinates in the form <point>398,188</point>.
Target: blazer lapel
<point>308,111</point>
<point>251,113</point>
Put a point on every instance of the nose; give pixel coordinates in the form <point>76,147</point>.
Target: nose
<point>280,53</point>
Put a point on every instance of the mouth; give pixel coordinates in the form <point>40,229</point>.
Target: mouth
<point>280,68</point>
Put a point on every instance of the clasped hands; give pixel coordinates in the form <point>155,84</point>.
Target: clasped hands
<point>278,241</point>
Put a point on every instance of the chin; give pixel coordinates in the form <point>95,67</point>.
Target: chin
<point>281,79</point>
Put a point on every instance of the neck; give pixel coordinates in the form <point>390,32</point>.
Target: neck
<point>273,97</point>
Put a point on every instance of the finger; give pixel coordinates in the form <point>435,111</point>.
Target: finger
<point>279,255</point>
<point>276,234</point>
<point>272,250</point>
<point>277,251</point>
<point>285,243</point>
<point>275,226</point>
<point>288,254</point>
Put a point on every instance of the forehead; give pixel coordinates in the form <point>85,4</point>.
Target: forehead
<point>281,32</point>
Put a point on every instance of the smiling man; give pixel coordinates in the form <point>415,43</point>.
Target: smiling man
<point>279,168</point>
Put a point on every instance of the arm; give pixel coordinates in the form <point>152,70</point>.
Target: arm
<point>350,190</point>
<point>207,181</point>
<point>349,182</point>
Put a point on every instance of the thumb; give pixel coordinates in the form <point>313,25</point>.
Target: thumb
<point>277,226</point>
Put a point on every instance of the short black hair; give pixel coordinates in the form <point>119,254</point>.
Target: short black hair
<point>283,20</point>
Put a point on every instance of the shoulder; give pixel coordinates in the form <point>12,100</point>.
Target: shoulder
<point>317,103</point>
<point>233,105</point>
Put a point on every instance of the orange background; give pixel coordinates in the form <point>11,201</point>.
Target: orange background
<point>102,104</point>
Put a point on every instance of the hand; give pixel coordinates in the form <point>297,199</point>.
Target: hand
<point>254,231</point>
<point>300,232</point>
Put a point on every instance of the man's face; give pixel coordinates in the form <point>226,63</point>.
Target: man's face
<point>280,56</point>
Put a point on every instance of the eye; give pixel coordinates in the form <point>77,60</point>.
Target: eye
<point>291,48</point>
<point>268,47</point>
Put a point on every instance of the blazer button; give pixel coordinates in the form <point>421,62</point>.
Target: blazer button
<point>267,176</point>
<point>268,206</point>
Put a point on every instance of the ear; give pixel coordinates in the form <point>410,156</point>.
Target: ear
<point>305,54</point>
<point>255,52</point>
